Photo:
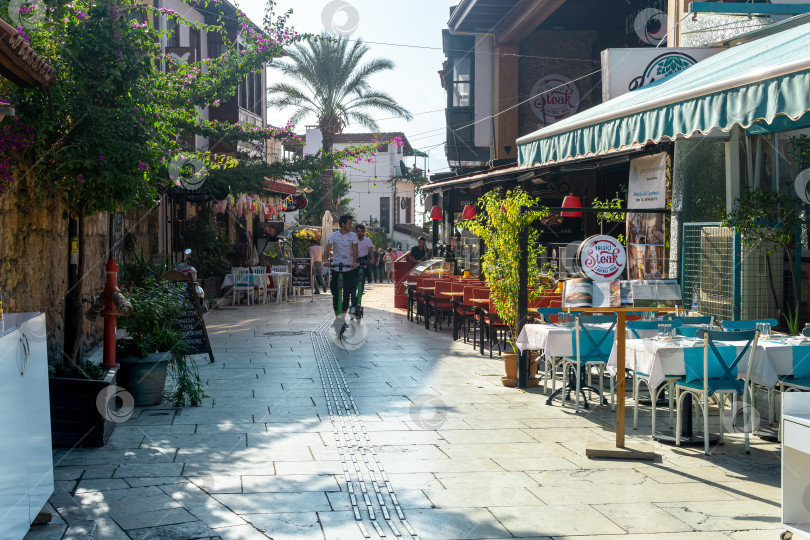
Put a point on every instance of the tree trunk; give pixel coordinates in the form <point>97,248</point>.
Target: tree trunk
<point>327,179</point>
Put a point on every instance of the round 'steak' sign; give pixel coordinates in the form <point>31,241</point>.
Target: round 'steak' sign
<point>602,258</point>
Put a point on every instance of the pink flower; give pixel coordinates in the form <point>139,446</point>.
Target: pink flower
<point>101,158</point>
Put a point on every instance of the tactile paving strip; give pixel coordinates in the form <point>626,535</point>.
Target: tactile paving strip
<point>369,504</point>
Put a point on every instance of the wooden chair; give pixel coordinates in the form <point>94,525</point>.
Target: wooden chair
<point>439,302</point>
<point>480,310</point>
<point>419,295</point>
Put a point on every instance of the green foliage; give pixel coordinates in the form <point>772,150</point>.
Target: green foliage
<point>155,306</point>
<point>313,213</point>
<point>800,150</point>
<point>378,237</point>
<point>83,369</point>
<point>791,319</point>
<point>205,239</point>
<point>333,85</point>
<point>771,218</point>
<point>107,131</point>
<point>186,385</point>
<point>142,268</point>
<point>499,225</point>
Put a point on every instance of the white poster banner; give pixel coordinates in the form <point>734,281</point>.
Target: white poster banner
<point>648,182</point>
<point>625,70</point>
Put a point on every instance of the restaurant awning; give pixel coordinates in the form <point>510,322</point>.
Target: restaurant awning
<point>764,82</point>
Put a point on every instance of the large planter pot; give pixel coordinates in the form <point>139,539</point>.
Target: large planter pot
<point>77,420</point>
<point>144,378</point>
<point>510,365</point>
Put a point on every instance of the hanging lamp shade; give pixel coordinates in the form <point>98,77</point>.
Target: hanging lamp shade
<point>469,212</point>
<point>436,212</point>
<point>572,202</point>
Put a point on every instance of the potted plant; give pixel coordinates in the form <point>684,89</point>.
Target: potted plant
<point>152,346</point>
<point>77,417</point>
<point>499,226</point>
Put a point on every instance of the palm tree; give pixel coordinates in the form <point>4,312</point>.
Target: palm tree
<point>333,86</point>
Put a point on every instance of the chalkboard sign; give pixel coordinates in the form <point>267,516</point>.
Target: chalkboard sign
<point>190,322</point>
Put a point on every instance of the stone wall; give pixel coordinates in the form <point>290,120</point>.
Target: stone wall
<point>33,255</point>
<point>34,247</point>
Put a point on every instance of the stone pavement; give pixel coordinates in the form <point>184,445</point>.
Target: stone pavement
<point>465,457</point>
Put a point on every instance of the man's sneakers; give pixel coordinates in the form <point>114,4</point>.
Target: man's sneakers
<point>338,324</point>
<point>351,310</point>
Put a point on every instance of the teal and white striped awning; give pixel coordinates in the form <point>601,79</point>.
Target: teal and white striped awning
<point>763,85</point>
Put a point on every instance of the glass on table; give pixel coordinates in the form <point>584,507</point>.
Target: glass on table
<point>664,332</point>
<point>764,329</point>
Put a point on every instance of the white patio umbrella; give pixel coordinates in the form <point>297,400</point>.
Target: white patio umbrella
<point>326,227</point>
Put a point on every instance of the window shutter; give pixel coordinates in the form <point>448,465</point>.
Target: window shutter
<point>396,210</point>
<point>408,210</point>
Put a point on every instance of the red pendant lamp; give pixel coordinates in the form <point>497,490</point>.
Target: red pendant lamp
<point>573,202</point>
<point>436,212</point>
<point>469,212</point>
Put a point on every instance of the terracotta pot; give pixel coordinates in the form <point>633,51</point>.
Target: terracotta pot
<point>510,365</point>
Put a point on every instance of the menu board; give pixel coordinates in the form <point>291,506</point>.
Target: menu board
<point>190,322</point>
<point>302,272</point>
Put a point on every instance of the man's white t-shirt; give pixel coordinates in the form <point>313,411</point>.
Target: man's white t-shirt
<point>342,249</point>
<point>364,246</point>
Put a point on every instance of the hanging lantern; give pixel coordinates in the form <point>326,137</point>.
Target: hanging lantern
<point>571,201</point>
<point>436,212</point>
<point>469,212</point>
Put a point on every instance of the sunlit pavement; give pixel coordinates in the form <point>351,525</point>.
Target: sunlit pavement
<point>465,457</point>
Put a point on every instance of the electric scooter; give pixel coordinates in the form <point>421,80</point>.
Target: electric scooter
<point>353,333</point>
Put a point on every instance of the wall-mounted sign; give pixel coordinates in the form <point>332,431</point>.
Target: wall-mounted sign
<point>554,97</point>
<point>602,258</point>
<point>625,70</point>
<point>648,182</point>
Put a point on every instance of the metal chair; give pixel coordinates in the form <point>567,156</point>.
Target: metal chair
<point>242,281</point>
<point>637,330</point>
<point>592,347</point>
<point>747,325</point>
<point>711,371</point>
<point>702,319</point>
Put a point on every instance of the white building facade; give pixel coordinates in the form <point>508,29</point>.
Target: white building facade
<point>380,193</point>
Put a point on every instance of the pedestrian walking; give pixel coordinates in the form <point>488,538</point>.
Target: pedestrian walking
<point>365,254</point>
<point>341,251</point>
<point>388,258</point>
<point>380,266</point>
<point>316,254</point>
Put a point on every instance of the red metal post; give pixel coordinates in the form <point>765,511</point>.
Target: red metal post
<point>110,314</point>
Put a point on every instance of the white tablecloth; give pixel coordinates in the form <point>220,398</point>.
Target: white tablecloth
<point>661,358</point>
<point>554,340</point>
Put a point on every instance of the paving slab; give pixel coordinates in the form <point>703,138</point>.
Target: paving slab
<point>466,458</point>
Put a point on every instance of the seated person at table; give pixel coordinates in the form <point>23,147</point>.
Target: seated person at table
<point>419,252</point>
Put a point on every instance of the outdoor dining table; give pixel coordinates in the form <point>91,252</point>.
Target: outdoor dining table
<point>659,359</point>
<point>280,279</point>
<point>620,450</point>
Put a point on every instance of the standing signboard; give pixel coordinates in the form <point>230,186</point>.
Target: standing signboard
<point>190,322</point>
<point>302,273</point>
<point>646,235</point>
